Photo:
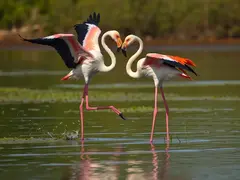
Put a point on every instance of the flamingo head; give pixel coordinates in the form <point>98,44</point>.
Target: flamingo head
<point>128,41</point>
<point>116,37</point>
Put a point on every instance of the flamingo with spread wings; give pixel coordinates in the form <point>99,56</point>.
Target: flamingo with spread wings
<point>83,55</point>
<point>160,67</point>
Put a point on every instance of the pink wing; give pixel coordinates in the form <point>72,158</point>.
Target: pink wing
<point>88,32</point>
<point>67,47</point>
<point>78,52</point>
<point>91,40</point>
<point>157,60</point>
<point>177,59</point>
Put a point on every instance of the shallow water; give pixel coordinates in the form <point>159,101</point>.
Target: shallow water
<point>204,120</point>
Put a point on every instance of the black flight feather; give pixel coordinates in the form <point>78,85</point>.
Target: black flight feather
<point>60,45</point>
<point>82,29</point>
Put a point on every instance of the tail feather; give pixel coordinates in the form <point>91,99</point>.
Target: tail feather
<point>185,76</point>
<point>67,76</point>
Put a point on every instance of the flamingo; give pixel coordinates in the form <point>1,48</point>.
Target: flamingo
<point>159,67</point>
<point>84,56</point>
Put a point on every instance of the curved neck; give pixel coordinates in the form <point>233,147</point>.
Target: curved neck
<point>133,58</point>
<point>103,67</point>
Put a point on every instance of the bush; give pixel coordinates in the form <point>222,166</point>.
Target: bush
<point>158,18</point>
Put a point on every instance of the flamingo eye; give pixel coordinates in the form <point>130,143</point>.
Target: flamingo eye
<point>117,36</point>
<point>127,40</point>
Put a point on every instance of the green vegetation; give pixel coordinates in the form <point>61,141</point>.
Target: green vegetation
<point>185,19</point>
<point>55,95</point>
<point>23,95</point>
<point>30,140</point>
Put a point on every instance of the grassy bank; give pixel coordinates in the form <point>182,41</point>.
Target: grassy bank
<point>23,95</point>
<point>178,20</point>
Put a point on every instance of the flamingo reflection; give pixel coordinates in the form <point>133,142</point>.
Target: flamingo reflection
<point>160,166</point>
<point>86,169</point>
<point>163,172</point>
<point>85,166</point>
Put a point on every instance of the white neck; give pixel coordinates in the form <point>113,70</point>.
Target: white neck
<point>103,67</point>
<point>133,58</point>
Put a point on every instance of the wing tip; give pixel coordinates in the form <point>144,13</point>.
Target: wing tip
<point>190,62</point>
<point>194,73</point>
<point>191,70</point>
<point>22,38</point>
<point>94,18</point>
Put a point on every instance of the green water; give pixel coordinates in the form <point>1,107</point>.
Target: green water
<point>37,110</point>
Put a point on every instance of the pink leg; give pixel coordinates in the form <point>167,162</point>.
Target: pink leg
<point>99,108</point>
<point>167,113</point>
<point>154,113</point>
<point>81,116</point>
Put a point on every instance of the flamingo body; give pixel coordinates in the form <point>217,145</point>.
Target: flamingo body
<point>163,67</point>
<point>83,55</point>
<point>159,67</point>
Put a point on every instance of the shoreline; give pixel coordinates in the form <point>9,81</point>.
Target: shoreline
<point>12,39</point>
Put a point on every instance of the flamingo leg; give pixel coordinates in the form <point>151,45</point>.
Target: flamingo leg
<point>101,107</point>
<point>167,114</point>
<point>81,115</point>
<point>154,113</point>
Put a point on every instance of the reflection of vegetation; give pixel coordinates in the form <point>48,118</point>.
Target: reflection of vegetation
<point>162,18</point>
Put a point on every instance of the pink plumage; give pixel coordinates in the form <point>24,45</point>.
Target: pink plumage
<point>83,55</point>
<point>159,67</point>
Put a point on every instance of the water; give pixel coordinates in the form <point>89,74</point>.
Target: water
<point>37,110</point>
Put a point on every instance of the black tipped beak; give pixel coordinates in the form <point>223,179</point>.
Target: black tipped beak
<point>121,115</point>
<point>124,52</point>
<point>118,49</point>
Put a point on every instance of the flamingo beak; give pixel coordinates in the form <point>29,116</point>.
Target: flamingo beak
<point>124,49</point>
<point>124,52</point>
<point>118,49</point>
<point>119,44</point>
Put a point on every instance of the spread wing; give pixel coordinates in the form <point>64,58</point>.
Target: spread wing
<point>66,45</point>
<point>173,61</point>
<point>88,32</point>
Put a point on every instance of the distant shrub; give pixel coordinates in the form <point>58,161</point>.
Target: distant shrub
<point>186,19</point>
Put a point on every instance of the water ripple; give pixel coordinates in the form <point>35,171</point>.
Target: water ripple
<point>118,153</point>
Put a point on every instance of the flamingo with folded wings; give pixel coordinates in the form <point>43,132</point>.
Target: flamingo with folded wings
<point>160,67</point>
<point>83,55</point>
